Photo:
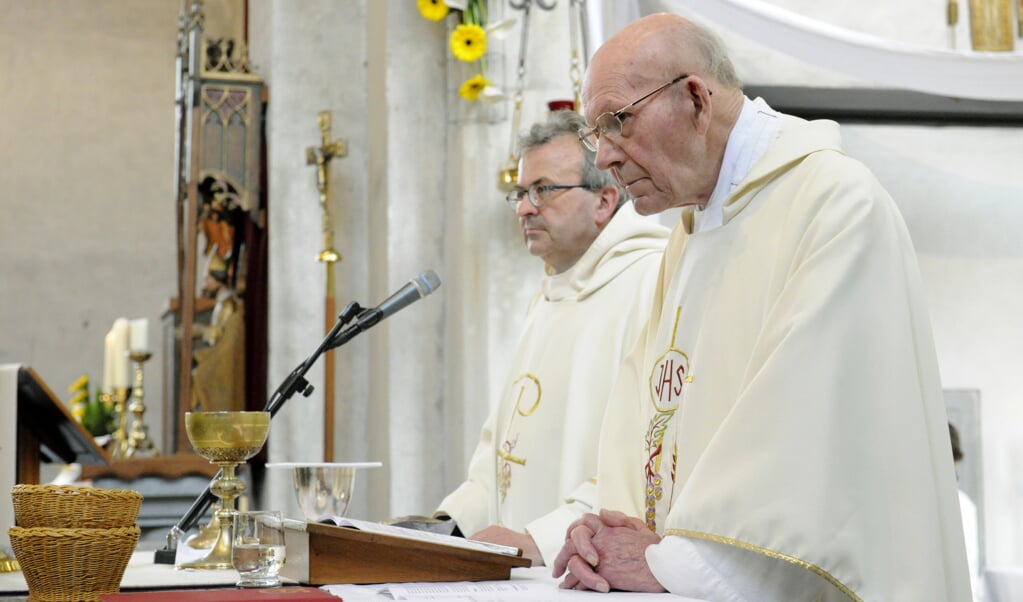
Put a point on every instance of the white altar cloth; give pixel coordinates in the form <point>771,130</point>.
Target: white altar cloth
<point>532,584</point>
<point>142,573</point>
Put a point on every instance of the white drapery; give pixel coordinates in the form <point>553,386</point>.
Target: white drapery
<point>960,74</point>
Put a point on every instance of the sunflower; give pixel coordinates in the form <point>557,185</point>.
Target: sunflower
<point>468,42</point>
<point>470,90</point>
<point>434,10</point>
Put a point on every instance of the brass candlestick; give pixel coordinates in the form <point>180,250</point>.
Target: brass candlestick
<point>227,439</point>
<point>139,443</point>
<point>119,439</point>
<point>8,564</point>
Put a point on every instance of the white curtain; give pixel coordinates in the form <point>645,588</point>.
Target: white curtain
<point>955,73</point>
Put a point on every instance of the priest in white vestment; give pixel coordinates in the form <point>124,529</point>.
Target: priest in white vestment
<point>533,469</point>
<point>779,432</point>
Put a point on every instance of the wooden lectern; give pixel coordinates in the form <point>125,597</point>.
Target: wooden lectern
<point>35,426</point>
<point>47,430</point>
<point>323,554</point>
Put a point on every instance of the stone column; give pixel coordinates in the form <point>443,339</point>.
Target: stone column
<point>413,391</point>
<point>378,67</point>
<point>313,59</point>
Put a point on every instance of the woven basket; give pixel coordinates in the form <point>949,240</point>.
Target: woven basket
<point>69,506</point>
<point>72,565</point>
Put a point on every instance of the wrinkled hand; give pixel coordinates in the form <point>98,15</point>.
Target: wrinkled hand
<point>506,537</point>
<point>578,555</point>
<point>607,551</point>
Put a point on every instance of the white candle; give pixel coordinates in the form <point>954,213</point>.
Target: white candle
<point>108,362</point>
<point>120,354</point>
<point>139,335</point>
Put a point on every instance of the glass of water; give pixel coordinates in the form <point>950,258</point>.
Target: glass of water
<point>258,548</point>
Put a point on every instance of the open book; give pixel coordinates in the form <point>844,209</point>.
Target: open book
<point>406,533</point>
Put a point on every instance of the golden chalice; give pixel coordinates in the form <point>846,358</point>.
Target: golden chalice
<point>226,439</point>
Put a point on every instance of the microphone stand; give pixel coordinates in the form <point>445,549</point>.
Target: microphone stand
<point>294,383</point>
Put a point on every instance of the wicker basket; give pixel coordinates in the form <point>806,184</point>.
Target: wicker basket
<point>69,506</point>
<point>72,565</point>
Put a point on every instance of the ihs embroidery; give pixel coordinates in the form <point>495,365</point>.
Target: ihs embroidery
<point>667,379</point>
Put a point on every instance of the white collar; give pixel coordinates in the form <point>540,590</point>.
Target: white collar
<point>756,128</point>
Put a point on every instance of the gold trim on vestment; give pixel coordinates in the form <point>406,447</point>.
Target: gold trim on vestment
<point>770,554</point>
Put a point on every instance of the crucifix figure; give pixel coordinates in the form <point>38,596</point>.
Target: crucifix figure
<point>321,157</point>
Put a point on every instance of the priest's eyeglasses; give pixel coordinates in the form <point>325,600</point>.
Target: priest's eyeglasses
<point>538,194</point>
<point>610,123</point>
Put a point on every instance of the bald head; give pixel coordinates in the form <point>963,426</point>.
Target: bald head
<point>672,94</point>
<point>662,46</point>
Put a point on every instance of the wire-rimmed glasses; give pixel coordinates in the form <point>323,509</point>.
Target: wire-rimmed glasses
<point>538,194</point>
<point>610,123</point>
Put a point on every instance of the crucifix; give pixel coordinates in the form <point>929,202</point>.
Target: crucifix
<point>321,157</point>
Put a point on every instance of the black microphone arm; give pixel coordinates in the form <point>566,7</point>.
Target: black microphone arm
<point>417,288</point>
<point>295,382</point>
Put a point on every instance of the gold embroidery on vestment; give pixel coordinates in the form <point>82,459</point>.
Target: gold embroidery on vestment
<point>522,390</point>
<point>667,377</point>
<point>511,458</point>
<point>504,469</point>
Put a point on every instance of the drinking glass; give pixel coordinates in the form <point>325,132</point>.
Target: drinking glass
<point>258,548</point>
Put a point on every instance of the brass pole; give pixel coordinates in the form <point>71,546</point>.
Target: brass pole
<point>321,157</point>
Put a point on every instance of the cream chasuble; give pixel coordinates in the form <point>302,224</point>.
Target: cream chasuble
<point>783,406</point>
<point>534,466</point>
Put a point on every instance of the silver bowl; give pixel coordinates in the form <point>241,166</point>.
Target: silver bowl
<point>323,488</point>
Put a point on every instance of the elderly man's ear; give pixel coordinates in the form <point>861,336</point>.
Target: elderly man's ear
<point>609,197</point>
<point>700,94</point>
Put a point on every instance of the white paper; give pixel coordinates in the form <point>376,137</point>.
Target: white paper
<point>488,590</point>
<point>534,584</point>
<point>485,591</point>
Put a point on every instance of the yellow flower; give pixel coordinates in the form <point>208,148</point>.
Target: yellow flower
<point>434,10</point>
<point>468,42</point>
<point>470,90</point>
<point>82,382</point>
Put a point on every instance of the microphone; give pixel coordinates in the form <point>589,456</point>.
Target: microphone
<point>415,289</point>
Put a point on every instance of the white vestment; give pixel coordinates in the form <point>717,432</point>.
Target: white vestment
<point>538,448</point>
<point>781,420</point>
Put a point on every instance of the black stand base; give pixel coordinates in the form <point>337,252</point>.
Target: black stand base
<point>164,556</point>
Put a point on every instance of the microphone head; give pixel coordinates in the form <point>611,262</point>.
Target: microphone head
<point>426,282</point>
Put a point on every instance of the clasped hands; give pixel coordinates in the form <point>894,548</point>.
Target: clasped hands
<point>607,551</point>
